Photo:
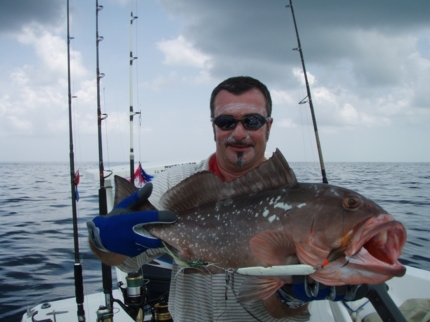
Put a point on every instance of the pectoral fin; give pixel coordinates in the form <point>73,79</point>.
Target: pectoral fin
<point>255,289</point>
<point>274,247</point>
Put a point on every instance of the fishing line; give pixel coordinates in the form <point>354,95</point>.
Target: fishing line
<point>75,114</point>
<point>137,80</point>
<point>106,127</point>
<point>120,129</point>
<point>300,92</point>
<point>303,134</point>
<point>229,284</point>
<point>347,261</point>
<point>237,299</point>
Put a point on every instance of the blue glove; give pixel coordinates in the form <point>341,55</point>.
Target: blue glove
<point>300,292</point>
<point>121,231</point>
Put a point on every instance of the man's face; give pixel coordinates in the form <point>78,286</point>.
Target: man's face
<point>240,149</point>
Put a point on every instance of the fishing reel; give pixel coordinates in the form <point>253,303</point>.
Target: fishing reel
<point>136,297</point>
<point>161,312</point>
<point>104,314</point>
<point>134,294</point>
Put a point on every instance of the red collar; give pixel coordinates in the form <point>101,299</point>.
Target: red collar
<point>213,167</point>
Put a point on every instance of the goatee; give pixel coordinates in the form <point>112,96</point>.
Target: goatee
<point>239,160</point>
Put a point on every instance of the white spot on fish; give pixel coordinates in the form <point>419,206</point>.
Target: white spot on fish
<point>301,205</point>
<point>333,191</point>
<point>272,218</point>
<point>282,206</point>
<point>265,213</point>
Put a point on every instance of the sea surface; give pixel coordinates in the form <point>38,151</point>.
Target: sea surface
<point>36,233</point>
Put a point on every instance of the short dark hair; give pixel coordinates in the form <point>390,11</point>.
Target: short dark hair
<point>239,85</point>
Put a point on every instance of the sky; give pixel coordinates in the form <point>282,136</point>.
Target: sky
<point>368,64</point>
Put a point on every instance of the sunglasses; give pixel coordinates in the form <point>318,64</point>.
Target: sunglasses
<point>250,122</point>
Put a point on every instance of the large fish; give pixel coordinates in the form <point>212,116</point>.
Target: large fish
<point>267,218</point>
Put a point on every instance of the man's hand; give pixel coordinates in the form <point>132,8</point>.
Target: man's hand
<point>121,231</point>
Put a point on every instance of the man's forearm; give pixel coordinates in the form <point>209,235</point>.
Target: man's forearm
<point>111,259</point>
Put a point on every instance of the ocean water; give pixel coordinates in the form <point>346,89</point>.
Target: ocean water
<point>36,237</point>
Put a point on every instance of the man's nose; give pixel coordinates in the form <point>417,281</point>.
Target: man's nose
<point>239,132</point>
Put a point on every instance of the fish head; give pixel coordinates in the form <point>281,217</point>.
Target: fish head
<point>350,239</point>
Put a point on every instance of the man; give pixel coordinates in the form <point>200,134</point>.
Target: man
<point>241,120</point>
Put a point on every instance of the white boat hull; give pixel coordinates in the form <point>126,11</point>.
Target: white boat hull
<point>414,285</point>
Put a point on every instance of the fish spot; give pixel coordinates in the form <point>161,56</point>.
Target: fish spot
<point>272,218</point>
<point>334,192</point>
<point>282,206</point>
<point>265,213</point>
<point>301,205</point>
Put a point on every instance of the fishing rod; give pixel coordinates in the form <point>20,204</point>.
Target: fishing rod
<point>136,299</point>
<point>377,294</point>
<point>309,97</point>
<point>107,310</point>
<point>132,113</point>
<point>79,285</point>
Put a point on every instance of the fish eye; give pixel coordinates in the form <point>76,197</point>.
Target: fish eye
<point>351,202</point>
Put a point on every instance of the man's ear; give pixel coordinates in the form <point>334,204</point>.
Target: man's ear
<point>213,128</point>
<point>269,126</point>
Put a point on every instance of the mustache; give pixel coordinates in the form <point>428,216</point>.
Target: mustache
<point>232,141</point>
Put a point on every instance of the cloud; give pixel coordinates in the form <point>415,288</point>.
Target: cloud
<point>368,64</point>
<point>298,73</point>
<point>51,49</point>
<point>14,15</point>
<point>287,123</point>
<point>34,100</point>
<point>180,52</point>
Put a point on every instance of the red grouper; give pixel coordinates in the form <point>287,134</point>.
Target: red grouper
<point>266,218</point>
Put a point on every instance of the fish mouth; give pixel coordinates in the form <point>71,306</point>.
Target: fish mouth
<point>376,244</point>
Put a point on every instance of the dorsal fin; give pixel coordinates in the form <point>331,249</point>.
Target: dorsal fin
<point>205,187</point>
<point>123,189</point>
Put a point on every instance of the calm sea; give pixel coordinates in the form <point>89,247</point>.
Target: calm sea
<point>36,243</point>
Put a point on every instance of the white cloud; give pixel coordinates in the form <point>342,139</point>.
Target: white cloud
<point>122,3</point>
<point>286,122</point>
<point>281,98</point>
<point>298,73</point>
<point>180,52</point>
<point>34,100</point>
<point>160,82</point>
<point>52,51</point>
